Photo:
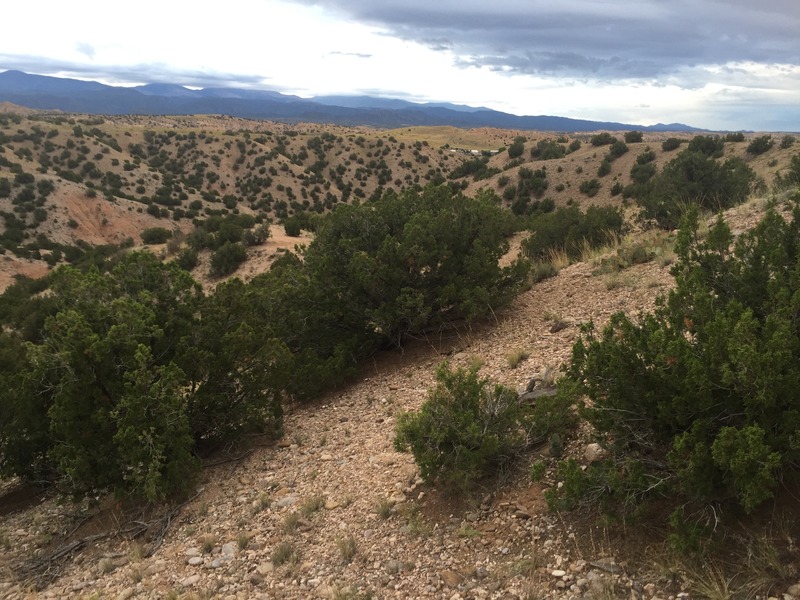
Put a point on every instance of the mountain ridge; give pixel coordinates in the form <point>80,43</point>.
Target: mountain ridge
<point>72,95</point>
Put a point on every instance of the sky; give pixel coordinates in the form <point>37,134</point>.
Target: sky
<point>716,64</point>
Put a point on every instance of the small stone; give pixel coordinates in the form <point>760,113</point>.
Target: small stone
<point>190,581</point>
<point>593,452</point>
<point>194,561</point>
<point>397,497</point>
<point>451,578</point>
<point>481,573</point>
<point>256,579</point>
<point>794,590</point>
<point>393,566</point>
<point>155,568</point>
<point>286,501</point>
<point>126,594</point>
<point>229,549</point>
<point>326,457</point>
<point>558,573</point>
<point>192,552</point>
<point>265,569</point>
<point>331,504</point>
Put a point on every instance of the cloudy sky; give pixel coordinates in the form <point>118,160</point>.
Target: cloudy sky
<point>719,64</point>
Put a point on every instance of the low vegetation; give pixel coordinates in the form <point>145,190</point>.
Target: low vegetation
<point>121,378</point>
<point>469,428</point>
<point>696,402</point>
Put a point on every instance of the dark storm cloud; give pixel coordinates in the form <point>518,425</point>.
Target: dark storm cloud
<point>598,39</point>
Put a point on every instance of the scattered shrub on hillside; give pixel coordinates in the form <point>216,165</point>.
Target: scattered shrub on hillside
<point>570,230</point>
<point>516,149</point>
<point>292,227</point>
<point>477,167</point>
<point>641,173</point>
<point>531,182</point>
<point>187,259</point>
<point>227,258</point>
<point>617,149</point>
<point>760,145</point>
<point>787,141</point>
<point>697,401</point>
<point>603,139</point>
<point>695,178</point>
<point>736,136</point>
<point>672,143</point>
<point>589,187</point>
<point>548,150</point>
<point>156,235</point>
<point>466,429</point>
<point>710,145</point>
<point>633,137</point>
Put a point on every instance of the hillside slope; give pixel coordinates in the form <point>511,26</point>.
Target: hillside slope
<point>333,511</point>
<point>67,180</point>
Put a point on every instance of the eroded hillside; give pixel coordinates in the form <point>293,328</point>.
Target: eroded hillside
<point>68,181</point>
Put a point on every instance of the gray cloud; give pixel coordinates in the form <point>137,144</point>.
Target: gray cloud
<point>614,39</point>
<point>143,73</point>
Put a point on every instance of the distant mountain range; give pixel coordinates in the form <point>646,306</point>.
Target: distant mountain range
<point>72,95</point>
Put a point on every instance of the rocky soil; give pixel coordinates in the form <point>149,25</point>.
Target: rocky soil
<point>332,511</point>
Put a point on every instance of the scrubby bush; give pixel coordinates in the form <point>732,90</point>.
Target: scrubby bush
<point>633,137</point>
<point>710,145</point>
<point>378,272</point>
<point>187,259</point>
<point>115,393</point>
<point>548,150</point>
<point>641,173</point>
<point>227,258</point>
<point>466,429</point>
<point>697,402</point>
<point>570,230</point>
<point>694,178</point>
<point>672,143</point>
<point>760,145</point>
<point>602,139</point>
<point>516,149</point>
<point>736,136</point>
<point>156,235</point>
<point>590,187</point>
<point>617,149</point>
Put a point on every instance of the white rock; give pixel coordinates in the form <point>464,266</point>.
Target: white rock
<point>190,581</point>
<point>593,452</point>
